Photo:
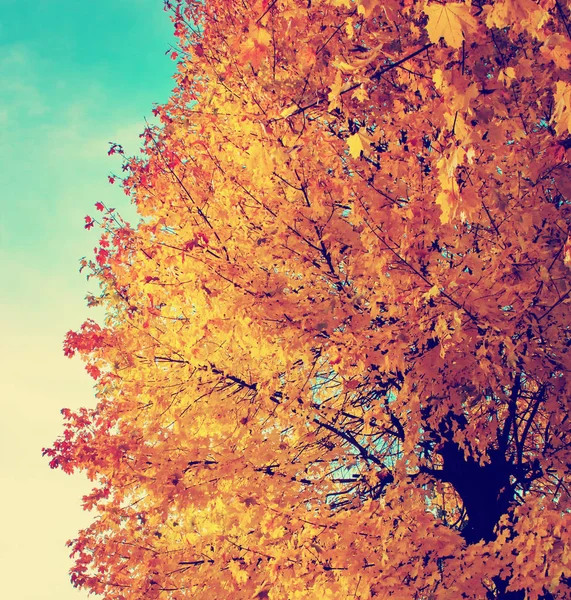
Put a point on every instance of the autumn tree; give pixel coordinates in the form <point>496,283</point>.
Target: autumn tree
<point>335,357</point>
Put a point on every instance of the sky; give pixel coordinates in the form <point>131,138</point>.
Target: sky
<point>74,76</point>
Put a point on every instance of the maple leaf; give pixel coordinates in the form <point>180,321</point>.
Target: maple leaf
<point>254,48</point>
<point>335,92</point>
<point>562,114</point>
<point>445,200</point>
<point>505,12</point>
<point>567,252</point>
<point>451,21</point>
<point>358,142</point>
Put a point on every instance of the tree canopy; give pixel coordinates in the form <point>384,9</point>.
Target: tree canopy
<point>335,358</point>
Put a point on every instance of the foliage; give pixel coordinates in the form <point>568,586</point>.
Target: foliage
<point>336,351</point>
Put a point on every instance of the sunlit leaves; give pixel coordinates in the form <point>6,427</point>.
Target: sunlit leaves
<point>335,352</point>
<point>562,113</point>
<point>449,20</point>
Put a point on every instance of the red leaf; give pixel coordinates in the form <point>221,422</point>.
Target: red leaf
<point>102,256</point>
<point>93,371</point>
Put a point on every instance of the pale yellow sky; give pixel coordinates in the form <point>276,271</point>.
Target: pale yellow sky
<point>73,77</point>
<point>39,303</point>
<point>41,508</point>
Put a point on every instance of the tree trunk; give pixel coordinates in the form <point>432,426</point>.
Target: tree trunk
<point>486,491</point>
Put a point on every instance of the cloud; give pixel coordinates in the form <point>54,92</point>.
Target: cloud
<point>65,114</point>
<point>20,96</point>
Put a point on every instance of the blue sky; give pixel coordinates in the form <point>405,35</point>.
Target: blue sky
<point>73,77</point>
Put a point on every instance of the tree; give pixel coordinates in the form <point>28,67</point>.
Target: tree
<point>335,359</point>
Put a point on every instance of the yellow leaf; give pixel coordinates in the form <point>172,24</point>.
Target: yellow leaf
<point>358,142</point>
<point>335,92</point>
<point>349,30</point>
<point>260,35</point>
<point>432,292</point>
<point>444,201</point>
<point>259,160</point>
<point>239,574</point>
<point>506,75</point>
<point>344,66</point>
<point>288,111</point>
<point>450,21</point>
<point>438,78</point>
<point>567,253</point>
<point>360,94</point>
<point>562,113</point>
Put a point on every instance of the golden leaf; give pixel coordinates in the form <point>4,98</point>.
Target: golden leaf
<point>451,21</point>
<point>562,113</point>
<point>335,92</point>
<point>358,142</point>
